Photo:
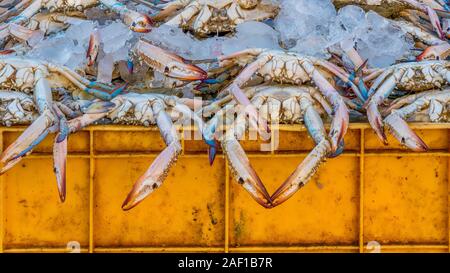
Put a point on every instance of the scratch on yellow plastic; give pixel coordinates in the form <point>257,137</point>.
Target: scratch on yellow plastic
<point>372,193</point>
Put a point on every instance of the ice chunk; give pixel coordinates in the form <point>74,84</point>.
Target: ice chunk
<point>251,35</point>
<point>305,23</point>
<point>174,39</point>
<point>80,32</point>
<point>114,36</point>
<point>312,27</point>
<point>351,18</point>
<point>381,42</point>
<point>105,68</point>
<point>57,50</point>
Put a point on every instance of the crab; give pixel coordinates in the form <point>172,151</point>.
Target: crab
<point>38,26</point>
<point>26,74</point>
<point>289,68</point>
<point>39,77</point>
<point>400,110</point>
<point>279,103</point>
<point>413,77</point>
<point>15,25</point>
<point>205,17</point>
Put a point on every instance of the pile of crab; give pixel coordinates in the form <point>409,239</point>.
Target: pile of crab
<point>251,90</point>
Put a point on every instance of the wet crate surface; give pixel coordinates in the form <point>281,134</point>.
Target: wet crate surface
<point>371,195</point>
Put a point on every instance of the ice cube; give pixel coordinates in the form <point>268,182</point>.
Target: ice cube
<point>114,36</point>
<point>351,18</point>
<point>105,68</point>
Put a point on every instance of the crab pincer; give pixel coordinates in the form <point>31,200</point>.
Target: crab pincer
<point>168,63</point>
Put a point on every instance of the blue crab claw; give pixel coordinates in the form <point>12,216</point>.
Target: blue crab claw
<point>153,177</point>
<point>340,149</point>
<point>244,172</point>
<point>169,63</point>
<point>339,126</point>
<point>60,157</point>
<point>27,141</point>
<point>213,147</point>
<point>376,121</point>
<point>404,134</point>
<point>59,164</point>
<point>302,174</point>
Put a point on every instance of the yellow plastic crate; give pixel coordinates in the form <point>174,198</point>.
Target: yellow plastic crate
<point>372,193</point>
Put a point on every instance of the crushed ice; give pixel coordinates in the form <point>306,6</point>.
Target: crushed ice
<point>308,27</point>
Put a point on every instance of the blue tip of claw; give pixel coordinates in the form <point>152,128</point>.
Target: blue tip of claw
<point>212,152</point>
<point>339,151</point>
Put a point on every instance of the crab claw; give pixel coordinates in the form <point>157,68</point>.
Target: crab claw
<point>60,154</point>
<point>93,48</point>
<point>213,147</point>
<point>302,174</point>
<point>153,177</point>
<point>169,63</point>
<point>403,133</point>
<point>375,120</point>
<point>29,139</point>
<point>340,149</point>
<point>339,126</point>
<point>59,164</point>
<point>436,52</point>
<point>244,172</point>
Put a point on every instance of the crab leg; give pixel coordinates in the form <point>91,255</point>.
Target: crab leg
<point>35,133</point>
<point>16,30</point>
<point>340,121</point>
<point>209,131</point>
<point>378,81</point>
<point>84,84</point>
<point>235,89</point>
<point>373,114</point>
<point>344,76</point>
<point>27,13</point>
<point>183,17</point>
<point>310,164</point>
